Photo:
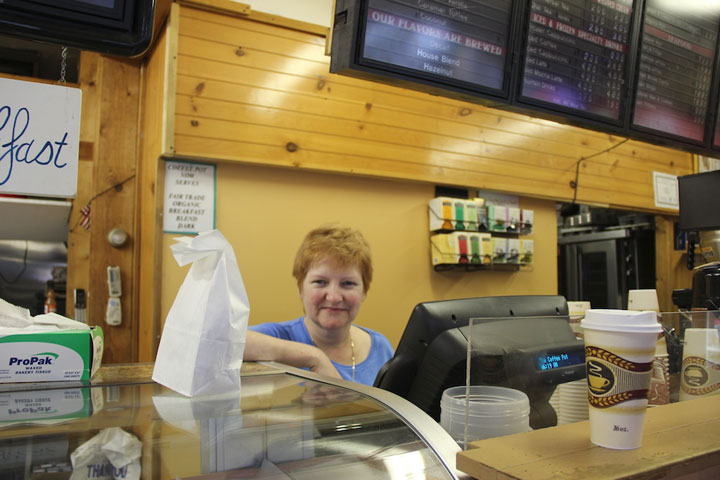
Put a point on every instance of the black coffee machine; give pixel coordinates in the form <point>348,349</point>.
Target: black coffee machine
<point>705,291</point>
<point>700,219</point>
<point>706,286</point>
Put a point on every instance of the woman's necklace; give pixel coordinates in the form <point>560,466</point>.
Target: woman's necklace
<point>352,351</point>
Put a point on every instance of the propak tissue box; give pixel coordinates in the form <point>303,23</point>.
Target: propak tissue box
<point>62,355</point>
<point>50,404</point>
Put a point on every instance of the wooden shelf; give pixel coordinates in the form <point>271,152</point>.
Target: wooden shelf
<point>478,267</point>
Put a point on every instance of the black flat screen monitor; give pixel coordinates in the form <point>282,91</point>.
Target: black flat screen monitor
<point>439,46</point>
<point>675,69</point>
<point>643,69</point>
<point>523,342</point>
<point>117,27</point>
<point>699,201</point>
<point>576,57</point>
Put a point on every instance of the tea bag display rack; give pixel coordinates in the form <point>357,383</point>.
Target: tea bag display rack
<point>460,263</point>
<point>470,235</point>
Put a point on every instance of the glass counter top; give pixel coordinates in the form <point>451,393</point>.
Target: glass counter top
<point>280,425</point>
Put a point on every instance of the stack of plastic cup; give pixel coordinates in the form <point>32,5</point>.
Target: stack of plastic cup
<point>491,412</point>
<point>555,400</point>
<point>573,402</point>
<point>700,374</point>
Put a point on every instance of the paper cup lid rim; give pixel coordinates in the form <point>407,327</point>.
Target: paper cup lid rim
<point>610,320</point>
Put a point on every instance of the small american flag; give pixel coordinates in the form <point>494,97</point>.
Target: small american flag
<point>85,217</point>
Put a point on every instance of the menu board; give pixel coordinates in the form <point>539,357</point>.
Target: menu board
<point>575,56</point>
<point>675,69</point>
<point>451,41</point>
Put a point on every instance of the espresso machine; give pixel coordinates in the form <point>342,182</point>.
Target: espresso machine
<point>700,219</point>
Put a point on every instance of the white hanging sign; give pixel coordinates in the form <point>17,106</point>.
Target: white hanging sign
<point>39,138</point>
<point>666,190</point>
<point>189,201</point>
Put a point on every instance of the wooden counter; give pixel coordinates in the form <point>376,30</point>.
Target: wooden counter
<point>142,372</point>
<point>681,440</point>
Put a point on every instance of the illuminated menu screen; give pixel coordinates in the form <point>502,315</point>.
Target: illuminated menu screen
<point>450,40</point>
<point>576,52</point>
<point>675,69</point>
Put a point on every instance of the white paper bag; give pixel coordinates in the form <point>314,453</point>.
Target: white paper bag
<point>203,340</point>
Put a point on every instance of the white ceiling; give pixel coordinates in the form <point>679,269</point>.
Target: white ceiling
<point>311,11</point>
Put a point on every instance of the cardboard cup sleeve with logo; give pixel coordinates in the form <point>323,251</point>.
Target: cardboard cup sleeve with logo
<point>647,300</point>
<point>619,352</point>
<point>700,371</point>
<point>112,454</point>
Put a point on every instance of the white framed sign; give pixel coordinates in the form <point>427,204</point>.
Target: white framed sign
<point>666,190</point>
<point>189,200</point>
<point>39,138</point>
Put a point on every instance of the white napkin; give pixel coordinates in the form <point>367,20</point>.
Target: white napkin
<point>112,454</point>
<point>15,320</point>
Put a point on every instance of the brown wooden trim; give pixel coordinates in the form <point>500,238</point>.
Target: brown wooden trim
<point>170,82</point>
<point>86,151</point>
<point>158,107</point>
<point>225,7</point>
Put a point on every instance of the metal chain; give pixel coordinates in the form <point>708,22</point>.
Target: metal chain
<point>63,64</point>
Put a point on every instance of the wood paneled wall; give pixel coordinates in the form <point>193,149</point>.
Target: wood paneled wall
<point>248,91</point>
<point>258,93</point>
<point>671,264</point>
<point>106,179</point>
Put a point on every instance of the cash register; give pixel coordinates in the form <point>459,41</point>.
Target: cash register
<point>522,342</point>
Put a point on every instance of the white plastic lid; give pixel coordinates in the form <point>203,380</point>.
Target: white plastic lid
<point>621,321</point>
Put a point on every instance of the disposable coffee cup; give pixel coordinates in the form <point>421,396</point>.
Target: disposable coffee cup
<point>577,310</point>
<point>700,371</point>
<point>619,351</point>
<point>647,300</point>
<point>643,299</point>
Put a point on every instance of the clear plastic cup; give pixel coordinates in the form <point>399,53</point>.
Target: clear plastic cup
<point>491,412</point>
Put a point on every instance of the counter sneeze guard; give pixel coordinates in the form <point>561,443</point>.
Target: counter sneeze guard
<point>284,423</point>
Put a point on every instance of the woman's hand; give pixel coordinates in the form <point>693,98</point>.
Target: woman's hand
<point>260,347</point>
<point>320,363</point>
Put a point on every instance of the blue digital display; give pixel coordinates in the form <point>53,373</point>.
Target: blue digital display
<point>552,361</point>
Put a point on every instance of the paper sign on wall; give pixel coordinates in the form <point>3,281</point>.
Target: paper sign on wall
<point>666,190</point>
<point>39,137</point>
<point>189,197</point>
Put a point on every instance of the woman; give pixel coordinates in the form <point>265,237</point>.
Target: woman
<point>333,270</point>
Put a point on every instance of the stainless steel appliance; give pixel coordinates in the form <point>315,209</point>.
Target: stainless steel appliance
<point>601,266</point>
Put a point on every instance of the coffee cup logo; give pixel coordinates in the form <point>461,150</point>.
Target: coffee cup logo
<point>613,379</point>
<point>600,378</point>
<point>695,376</point>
